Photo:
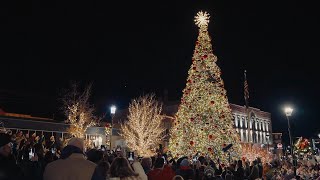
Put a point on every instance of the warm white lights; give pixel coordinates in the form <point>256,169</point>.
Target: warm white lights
<point>143,129</point>
<point>113,109</point>
<point>202,19</point>
<point>288,111</point>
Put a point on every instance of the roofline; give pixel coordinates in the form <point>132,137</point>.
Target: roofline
<point>30,119</point>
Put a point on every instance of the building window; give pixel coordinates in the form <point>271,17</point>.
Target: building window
<point>242,124</point>
<point>235,120</point>
<point>238,121</point>
<point>260,125</point>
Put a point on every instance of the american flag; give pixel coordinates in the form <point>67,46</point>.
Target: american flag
<point>246,89</point>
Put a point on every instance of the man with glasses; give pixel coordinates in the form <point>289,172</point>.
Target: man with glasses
<point>8,166</point>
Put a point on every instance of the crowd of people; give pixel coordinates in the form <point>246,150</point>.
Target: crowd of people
<point>30,158</point>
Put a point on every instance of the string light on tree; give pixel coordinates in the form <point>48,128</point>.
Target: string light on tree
<point>204,123</point>
<point>107,130</point>
<point>79,111</point>
<point>251,153</point>
<point>143,130</point>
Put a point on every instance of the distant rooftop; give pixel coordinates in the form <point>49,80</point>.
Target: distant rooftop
<point>25,116</point>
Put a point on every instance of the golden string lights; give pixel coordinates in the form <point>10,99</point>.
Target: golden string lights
<point>143,130</point>
<point>79,112</point>
<point>203,123</point>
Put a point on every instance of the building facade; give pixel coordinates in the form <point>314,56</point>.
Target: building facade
<point>258,130</point>
<point>48,127</point>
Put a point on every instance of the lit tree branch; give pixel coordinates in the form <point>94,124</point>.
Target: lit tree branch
<point>79,111</point>
<point>143,129</point>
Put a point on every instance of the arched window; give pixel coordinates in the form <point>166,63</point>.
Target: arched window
<point>252,120</point>
<point>235,120</point>
<point>243,122</point>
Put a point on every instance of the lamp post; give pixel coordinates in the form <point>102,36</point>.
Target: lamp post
<point>288,112</point>
<point>112,112</point>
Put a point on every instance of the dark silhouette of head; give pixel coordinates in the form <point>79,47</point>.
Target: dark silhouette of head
<point>120,168</point>
<point>159,163</point>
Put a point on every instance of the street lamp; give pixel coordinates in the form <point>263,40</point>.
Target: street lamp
<point>288,112</point>
<point>113,112</point>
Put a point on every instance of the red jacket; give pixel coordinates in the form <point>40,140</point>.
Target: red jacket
<point>161,174</point>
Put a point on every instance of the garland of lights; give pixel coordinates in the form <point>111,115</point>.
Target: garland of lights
<point>107,130</point>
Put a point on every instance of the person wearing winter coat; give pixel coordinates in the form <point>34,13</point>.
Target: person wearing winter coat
<point>161,171</point>
<point>239,173</point>
<point>8,167</point>
<point>72,165</point>
<point>185,170</point>
<point>120,169</point>
<point>254,171</point>
<point>146,163</point>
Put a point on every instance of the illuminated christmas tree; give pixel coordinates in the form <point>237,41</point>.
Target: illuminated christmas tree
<point>204,122</point>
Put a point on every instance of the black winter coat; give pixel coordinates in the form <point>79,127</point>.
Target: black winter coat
<point>9,169</point>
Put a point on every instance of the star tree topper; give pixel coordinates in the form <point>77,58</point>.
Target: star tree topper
<point>202,19</point>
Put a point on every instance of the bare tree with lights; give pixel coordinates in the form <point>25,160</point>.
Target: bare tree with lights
<point>79,112</point>
<point>143,130</point>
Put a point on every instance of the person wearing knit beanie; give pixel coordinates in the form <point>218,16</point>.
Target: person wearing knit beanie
<point>185,162</point>
<point>185,169</point>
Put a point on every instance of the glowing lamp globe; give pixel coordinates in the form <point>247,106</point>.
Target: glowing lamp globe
<point>288,111</point>
<point>113,109</point>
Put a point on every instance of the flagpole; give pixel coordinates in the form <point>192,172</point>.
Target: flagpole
<point>246,98</point>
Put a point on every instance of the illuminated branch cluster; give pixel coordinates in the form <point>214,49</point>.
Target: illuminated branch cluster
<point>143,129</point>
<point>204,122</point>
<point>302,145</point>
<point>107,130</point>
<point>251,153</point>
<point>79,112</point>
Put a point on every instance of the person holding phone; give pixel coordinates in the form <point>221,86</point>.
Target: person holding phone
<point>146,164</point>
<point>160,170</point>
<point>119,152</point>
<point>31,154</point>
<point>120,168</point>
<point>185,170</point>
<point>131,157</point>
<point>9,170</point>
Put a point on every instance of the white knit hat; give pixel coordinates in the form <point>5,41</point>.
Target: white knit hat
<point>77,142</point>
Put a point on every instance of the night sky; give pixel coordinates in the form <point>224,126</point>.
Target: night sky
<point>129,49</point>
